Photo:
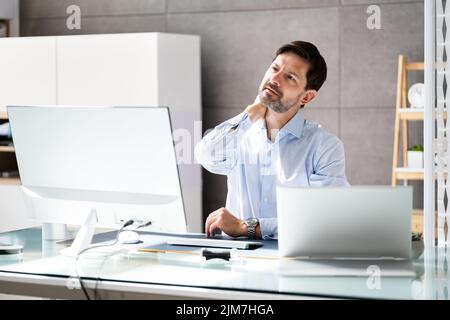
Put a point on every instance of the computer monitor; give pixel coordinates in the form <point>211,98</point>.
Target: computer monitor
<point>82,165</point>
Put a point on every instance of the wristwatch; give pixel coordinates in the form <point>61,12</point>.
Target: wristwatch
<point>251,223</point>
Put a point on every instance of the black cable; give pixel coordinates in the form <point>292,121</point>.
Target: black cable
<point>148,223</point>
<point>97,280</point>
<point>126,224</point>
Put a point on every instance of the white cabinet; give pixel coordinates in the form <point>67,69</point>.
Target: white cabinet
<point>108,70</point>
<point>139,69</point>
<point>27,71</point>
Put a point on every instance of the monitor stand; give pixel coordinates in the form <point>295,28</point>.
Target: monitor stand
<point>84,236</point>
<point>54,231</point>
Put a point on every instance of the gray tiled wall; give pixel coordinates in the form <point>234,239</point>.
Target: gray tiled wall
<point>238,40</point>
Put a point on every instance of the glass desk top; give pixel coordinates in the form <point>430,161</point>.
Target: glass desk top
<point>253,271</point>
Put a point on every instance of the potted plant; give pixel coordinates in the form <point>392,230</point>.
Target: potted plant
<point>415,157</point>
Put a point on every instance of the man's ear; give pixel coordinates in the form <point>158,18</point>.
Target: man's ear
<point>308,96</point>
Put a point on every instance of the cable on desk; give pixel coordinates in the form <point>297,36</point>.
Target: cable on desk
<point>97,279</point>
<point>83,288</point>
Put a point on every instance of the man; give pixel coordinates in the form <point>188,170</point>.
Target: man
<point>270,143</point>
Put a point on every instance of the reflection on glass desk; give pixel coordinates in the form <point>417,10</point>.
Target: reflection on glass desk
<point>255,272</point>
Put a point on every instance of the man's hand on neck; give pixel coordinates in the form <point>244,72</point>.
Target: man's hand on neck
<point>257,110</point>
<point>274,120</point>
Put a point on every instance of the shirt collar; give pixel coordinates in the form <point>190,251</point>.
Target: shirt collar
<point>293,126</point>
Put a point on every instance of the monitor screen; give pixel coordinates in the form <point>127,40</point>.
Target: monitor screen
<point>119,161</point>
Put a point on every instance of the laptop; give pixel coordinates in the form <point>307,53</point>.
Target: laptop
<point>344,228</point>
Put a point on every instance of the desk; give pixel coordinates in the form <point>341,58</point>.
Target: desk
<point>42,272</point>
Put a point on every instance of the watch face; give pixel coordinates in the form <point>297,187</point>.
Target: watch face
<point>252,222</point>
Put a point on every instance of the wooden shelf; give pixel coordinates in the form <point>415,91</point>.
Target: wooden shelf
<point>3,114</point>
<point>415,66</point>
<point>411,114</point>
<point>409,174</point>
<point>414,114</point>
<point>6,149</point>
<point>7,23</point>
<point>403,114</point>
<point>11,181</point>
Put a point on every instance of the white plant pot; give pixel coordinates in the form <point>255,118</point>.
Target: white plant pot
<point>415,159</point>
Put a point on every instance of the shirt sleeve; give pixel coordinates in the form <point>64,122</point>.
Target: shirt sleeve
<point>269,228</point>
<point>217,152</point>
<point>329,165</point>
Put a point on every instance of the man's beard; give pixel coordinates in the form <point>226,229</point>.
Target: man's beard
<point>277,105</point>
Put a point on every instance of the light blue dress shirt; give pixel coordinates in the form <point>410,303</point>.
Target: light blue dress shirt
<point>303,154</point>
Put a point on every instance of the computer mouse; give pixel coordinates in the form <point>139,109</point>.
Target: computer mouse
<point>128,237</point>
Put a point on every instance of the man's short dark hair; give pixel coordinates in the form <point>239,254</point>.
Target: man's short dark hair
<point>317,71</point>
